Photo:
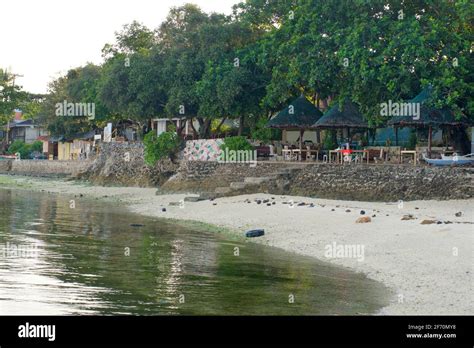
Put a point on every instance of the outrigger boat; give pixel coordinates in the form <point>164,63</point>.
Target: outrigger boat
<point>453,160</point>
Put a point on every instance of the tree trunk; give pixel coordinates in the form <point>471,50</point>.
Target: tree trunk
<point>241,125</point>
<point>204,127</point>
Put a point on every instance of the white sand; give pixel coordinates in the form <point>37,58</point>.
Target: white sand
<point>429,267</point>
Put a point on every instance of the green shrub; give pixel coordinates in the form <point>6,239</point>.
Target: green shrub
<point>24,149</point>
<point>329,143</point>
<point>235,144</point>
<point>166,145</point>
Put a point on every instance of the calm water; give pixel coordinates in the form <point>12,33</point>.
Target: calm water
<point>76,261</point>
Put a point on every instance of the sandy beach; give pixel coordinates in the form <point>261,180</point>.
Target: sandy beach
<point>429,267</point>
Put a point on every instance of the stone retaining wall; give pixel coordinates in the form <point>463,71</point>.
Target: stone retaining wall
<point>43,167</point>
<point>348,182</point>
<point>123,164</point>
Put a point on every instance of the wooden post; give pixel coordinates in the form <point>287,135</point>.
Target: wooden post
<point>301,143</point>
<point>430,136</point>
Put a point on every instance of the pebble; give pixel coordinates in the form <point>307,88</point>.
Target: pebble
<point>458,214</point>
<point>163,210</point>
<point>363,220</point>
<point>348,210</point>
<point>362,212</point>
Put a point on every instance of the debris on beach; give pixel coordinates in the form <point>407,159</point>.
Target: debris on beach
<point>269,204</point>
<point>348,210</point>
<point>408,217</point>
<point>458,214</point>
<point>254,233</point>
<point>363,220</point>
<point>362,212</point>
<point>428,222</point>
<point>258,201</point>
<point>163,210</point>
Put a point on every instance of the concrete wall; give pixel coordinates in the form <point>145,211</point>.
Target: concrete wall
<point>43,167</point>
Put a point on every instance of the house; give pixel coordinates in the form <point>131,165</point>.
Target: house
<point>25,130</point>
<point>161,125</point>
<point>77,147</point>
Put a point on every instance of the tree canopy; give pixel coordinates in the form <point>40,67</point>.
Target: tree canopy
<point>252,63</point>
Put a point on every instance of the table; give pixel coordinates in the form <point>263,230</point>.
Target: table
<point>408,152</point>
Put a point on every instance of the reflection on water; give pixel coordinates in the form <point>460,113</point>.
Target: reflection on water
<point>55,259</point>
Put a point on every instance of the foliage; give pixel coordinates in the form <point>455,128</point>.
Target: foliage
<point>235,144</point>
<point>262,133</point>
<point>24,149</point>
<point>329,140</point>
<point>166,145</point>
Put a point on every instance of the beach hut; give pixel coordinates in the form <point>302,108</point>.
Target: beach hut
<point>346,118</point>
<point>427,116</point>
<point>300,115</point>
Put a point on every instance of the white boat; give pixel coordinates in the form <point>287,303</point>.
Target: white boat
<point>453,160</point>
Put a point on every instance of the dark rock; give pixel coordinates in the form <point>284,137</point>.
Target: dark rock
<point>348,210</point>
<point>458,214</point>
<point>163,210</point>
<point>362,212</point>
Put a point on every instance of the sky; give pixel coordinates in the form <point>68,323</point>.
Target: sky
<point>42,39</point>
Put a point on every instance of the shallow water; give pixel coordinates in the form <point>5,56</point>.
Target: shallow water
<point>84,257</point>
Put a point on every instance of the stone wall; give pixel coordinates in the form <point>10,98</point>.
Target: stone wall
<point>348,182</point>
<point>382,182</point>
<point>43,167</point>
<point>123,164</point>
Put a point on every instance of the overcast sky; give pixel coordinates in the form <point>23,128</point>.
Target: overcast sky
<point>44,38</point>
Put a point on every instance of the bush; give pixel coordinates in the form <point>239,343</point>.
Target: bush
<point>166,145</point>
<point>235,144</point>
<point>329,143</point>
<point>25,150</point>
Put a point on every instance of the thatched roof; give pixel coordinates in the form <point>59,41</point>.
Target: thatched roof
<point>429,116</point>
<point>300,114</point>
<point>337,117</point>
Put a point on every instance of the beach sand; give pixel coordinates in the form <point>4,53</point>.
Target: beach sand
<point>428,267</point>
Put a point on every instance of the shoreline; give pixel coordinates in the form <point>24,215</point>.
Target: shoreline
<point>428,267</point>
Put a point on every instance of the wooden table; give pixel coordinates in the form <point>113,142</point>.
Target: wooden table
<point>408,152</point>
